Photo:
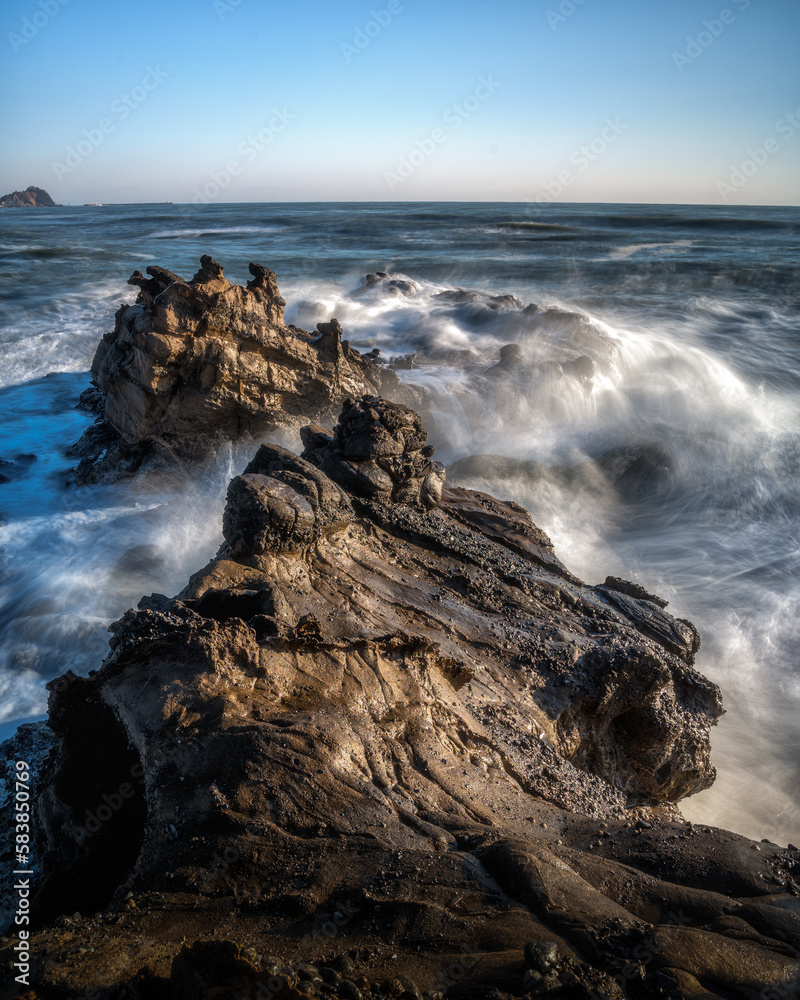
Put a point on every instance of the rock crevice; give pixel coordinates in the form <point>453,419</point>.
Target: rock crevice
<point>387,708</point>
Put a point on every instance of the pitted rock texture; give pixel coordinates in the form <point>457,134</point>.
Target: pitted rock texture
<point>195,362</point>
<point>380,749</point>
<point>378,451</point>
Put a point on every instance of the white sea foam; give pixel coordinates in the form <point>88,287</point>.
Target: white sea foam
<point>59,334</point>
<point>650,249</point>
<point>166,234</point>
<point>715,531</point>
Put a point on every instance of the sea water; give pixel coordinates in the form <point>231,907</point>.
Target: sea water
<point>691,319</point>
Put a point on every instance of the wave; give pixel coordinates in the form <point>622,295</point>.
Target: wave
<point>654,249</point>
<point>59,334</point>
<point>166,234</point>
<point>721,224</point>
<point>545,226</point>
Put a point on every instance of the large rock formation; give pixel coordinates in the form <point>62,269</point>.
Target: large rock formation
<point>386,745</point>
<point>31,197</point>
<point>195,362</point>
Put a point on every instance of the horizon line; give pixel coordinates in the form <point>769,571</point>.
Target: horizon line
<point>434,201</point>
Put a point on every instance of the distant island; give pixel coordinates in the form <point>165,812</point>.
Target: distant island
<point>31,197</point>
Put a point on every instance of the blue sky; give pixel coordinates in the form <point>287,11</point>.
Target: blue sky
<point>241,100</point>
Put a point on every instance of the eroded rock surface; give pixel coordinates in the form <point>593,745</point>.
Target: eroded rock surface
<point>386,745</point>
<point>194,362</point>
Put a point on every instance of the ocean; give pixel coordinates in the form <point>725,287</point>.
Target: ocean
<point>690,316</point>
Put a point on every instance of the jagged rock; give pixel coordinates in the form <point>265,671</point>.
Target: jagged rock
<point>31,197</point>
<point>377,748</point>
<point>378,451</point>
<point>633,590</point>
<point>194,362</point>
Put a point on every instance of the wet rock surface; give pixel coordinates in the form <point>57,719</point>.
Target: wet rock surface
<point>192,363</point>
<point>386,745</point>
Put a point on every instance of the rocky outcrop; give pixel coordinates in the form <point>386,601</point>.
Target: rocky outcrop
<point>379,452</point>
<point>192,363</point>
<point>31,197</point>
<point>386,745</point>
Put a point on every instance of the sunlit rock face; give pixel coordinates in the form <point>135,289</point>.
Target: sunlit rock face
<point>385,744</point>
<point>192,363</point>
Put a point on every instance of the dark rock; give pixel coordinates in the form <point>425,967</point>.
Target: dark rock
<point>638,470</point>
<point>633,590</point>
<point>15,468</point>
<point>378,451</point>
<point>542,956</point>
<point>583,368</point>
<point>390,286</point>
<point>400,733</point>
<point>263,513</point>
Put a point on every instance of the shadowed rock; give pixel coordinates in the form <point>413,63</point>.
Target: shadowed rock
<point>378,452</point>
<point>381,747</point>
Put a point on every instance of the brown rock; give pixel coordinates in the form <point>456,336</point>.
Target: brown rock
<point>191,363</point>
<point>379,451</point>
<point>31,197</point>
<point>400,742</point>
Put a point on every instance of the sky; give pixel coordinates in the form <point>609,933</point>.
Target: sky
<point>653,101</point>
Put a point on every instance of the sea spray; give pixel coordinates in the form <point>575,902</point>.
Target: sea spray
<point>672,459</point>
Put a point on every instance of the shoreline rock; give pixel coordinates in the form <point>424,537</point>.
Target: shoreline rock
<point>386,745</point>
<point>193,363</point>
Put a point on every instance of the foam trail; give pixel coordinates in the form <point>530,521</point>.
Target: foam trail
<point>645,410</point>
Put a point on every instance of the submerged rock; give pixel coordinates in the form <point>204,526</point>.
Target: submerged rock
<point>195,362</point>
<point>386,745</point>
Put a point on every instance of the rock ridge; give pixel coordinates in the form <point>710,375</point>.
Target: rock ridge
<point>386,745</point>
<point>193,363</point>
